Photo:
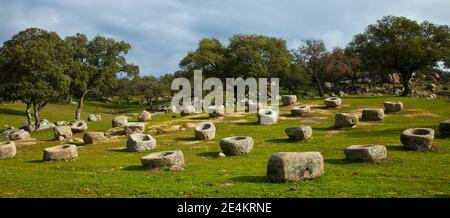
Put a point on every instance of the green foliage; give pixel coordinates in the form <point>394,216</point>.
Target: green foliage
<point>399,45</point>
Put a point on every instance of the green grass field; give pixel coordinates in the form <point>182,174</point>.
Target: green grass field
<point>107,170</point>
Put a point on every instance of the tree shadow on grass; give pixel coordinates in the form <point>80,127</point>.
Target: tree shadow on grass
<point>121,150</point>
<point>338,161</point>
<point>35,161</point>
<point>134,168</point>
<point>283,140</point>
<point>248,123</point>
<point>251,179</point>
<point>209,154</point>
<point>189,139</point>
<point>11,112</point>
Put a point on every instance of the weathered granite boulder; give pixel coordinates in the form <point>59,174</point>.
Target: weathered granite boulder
<point>367,153</point>
<point>61,152</point>
<point>372,114</point>
<point>300,110</point>
<point>205,131</point>
<point>299,132</point>
<point>7,132</point>
<point>288,99</point>
<point>134,127</point>
<point>236,145</point>
<point>144,116</point>
<point>7,150</point>
<point>63,133</point>
<point>79,126</point>
<point>294,166</point>
<point>140,142</point>
<point>343,120</point>
<point>187,110</point>
<point>444,128</point>
<point>333,102</point>
<point>267,117</point>
<point>119,121</point>
<point>94,117</point>
<point>216,111</point>
<point>172,160</point>
<point>93,137</point>
<point>62,123</point>
<point>45,125</point>
<point>21,134</point>
<point>390,106</point>
<point>417,139</point>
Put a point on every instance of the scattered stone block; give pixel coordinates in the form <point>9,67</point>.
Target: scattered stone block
<point>372,114</point>
<point>187,110</point>
<point>365,153</point>
<point>343,120</point>
<point>144,116</point>
<point>93,137</point>
<point>134,127</point>
<point>390,106</point>
<point>7,149</point>
<point>267,117</point>
<point>294,166</point>
<point>172,160</point>
<point>119,121</point>
<point>205,131</point>
<point>300,110</point>
<point>236,145</point>
<point>94,118</point>
<point>63,133</point>
<point>216,111</point>
<point>333,102</point>
<point>417,139</point>
<point>79,126</point>
<point>299,132</point>
<point>61,153</point>
<point>19,135</point>
<point>288,99</point>
<point>140,142</point>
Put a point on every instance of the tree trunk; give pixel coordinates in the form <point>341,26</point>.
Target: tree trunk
<point>37,107</point>
<point>319,86</point>
<point>406,77</point>
<point>80,106</point>
<point>28,113</point>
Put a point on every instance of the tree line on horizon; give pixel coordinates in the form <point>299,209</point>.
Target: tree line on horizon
<point>38,66</point>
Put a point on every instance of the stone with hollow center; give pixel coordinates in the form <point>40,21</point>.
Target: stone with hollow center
<point>65,152</point>
<point>299,133</point>
<point>205,131</point>
<point>172,160</point>
<point>288,99</point>
<point>294,166</point>
<point>372,114</point>
<point>300,110</point>
<point>333,102</point>
<point>236,145</point>
<point>63,133</point>
<point>444,128</point>
<point>391,106</point>
<point>79,126</point>
<point>417,139</point>
<point>267,117</point>
<point>7,149</point>
<point>93,137</point>
<point>216,111</point>
<point>119,121</point>
<point>140,142</point>
<point>134,127</point>
<point>343,120</point>
<point>365,153</point>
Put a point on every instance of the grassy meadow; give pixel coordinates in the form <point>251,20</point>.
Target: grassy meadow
<point>107,170</point>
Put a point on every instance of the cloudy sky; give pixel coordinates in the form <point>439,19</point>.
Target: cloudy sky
<point>161,32</point>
